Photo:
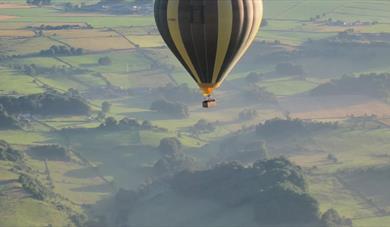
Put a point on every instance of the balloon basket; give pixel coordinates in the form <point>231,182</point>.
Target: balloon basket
<point>210,102</point>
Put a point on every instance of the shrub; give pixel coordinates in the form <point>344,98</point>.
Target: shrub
<point>168,107</point>
<point>7,153</point>
<point>34,186</point>
<point>104,61</point>
<point>170,146</point>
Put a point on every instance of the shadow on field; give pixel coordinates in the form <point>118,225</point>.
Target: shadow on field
<point>94,188</point>
<point>89,65</point>
<point>88,172</point>
<point>150,115</point>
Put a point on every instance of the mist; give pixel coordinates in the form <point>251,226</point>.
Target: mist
<point>102,123</point>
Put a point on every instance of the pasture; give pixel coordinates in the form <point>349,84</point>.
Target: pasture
<point>139,62</point>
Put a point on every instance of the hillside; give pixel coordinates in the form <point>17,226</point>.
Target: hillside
<point>229,195</point>
<point>93,106</point>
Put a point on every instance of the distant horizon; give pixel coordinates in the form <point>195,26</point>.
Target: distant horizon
<point>194,113</point>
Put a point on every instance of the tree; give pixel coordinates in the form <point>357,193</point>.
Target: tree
<point>110,123</point>
<point>7,121</point>
<point>170,146</point>
<point>147,125</point>
<point>106,107</point>
<point>127,123</point>
<point>79,51</point>
<point>247,114</point>
<point>73,92</point>
<point>264,23</point>
<point>274,188</point>
<point>332,157</point>
<point>203,126</point>
<point>48,103</point>
<point>7,153</point>
<point>105,61</point>
<point>285,204</point>
<point>169,165</point>
<point>34,186</point>
<point>256,93</point>
<point>331,218</point>
<point>166,107</point>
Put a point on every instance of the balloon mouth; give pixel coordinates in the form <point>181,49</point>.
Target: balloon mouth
<point>207,89</point>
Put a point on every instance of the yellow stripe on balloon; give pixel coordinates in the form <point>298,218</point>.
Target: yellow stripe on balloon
<point>225,24</point>
<point>174,30</point>
<point>257,16</point>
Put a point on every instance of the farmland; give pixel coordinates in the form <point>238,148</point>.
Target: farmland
<point>140,70</point>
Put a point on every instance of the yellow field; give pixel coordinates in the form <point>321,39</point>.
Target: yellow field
<point>147,40</point>
<point>5,17</point>
<point>13,6</point>
<point>99,44</point>
<point>16,33</point>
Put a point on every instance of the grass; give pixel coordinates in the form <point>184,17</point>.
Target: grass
<point>5,174</point>
<point>125,156</point>
<point>71,121</point>
<point>77,183</point>
<point>62,83</point>
<point>98,43</point>
<point>22,137</point>
<point>123,62</point>
<point>287,86</point>
<point>41,61</point>
<point>29,212</point>
<point>372,222</point>
<point>332,194</point>
<point>39,16</point>
<point>153,138</point>
<point>27,45</point>
<point>15,82</point>
<point>86,142</point>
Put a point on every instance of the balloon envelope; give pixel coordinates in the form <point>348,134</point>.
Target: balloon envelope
<point>208,36</point>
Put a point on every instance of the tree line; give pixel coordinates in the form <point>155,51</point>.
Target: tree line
<point>61,27</point>
<point>48,103</point>
<point>376,85</point>
<point>277,128</point>
<point>275,190</point>
<point>172,108</point>
<point>61,50</point>
<point>7,153</point>
<point>38,2</point>
<point>33,70</point>
<point>33,186</point>
<point>8,121</point>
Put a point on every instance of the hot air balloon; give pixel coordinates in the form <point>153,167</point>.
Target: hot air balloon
<point>208,37</point>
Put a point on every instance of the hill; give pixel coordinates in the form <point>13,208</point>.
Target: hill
<point>266,193</point>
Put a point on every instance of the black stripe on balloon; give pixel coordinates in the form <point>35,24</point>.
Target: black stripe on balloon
<point>210,38</point>
<point>237,38</point>
<point>188,13</point>
<point>161,18</point>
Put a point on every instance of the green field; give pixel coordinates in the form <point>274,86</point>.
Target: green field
<point>105,161</point>
<point>15,82</point>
